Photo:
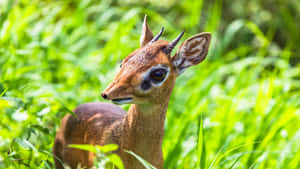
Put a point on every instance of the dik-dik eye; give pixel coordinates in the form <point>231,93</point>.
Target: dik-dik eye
<point>158,75</point>
<point>155,76</point>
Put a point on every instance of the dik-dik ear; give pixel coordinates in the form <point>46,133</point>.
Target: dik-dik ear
<point>146,35</point>
<point>192,51</point>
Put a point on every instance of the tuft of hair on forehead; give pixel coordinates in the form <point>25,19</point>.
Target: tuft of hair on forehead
<point>148,52</point>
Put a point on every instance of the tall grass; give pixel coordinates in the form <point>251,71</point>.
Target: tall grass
<point>238,109</point>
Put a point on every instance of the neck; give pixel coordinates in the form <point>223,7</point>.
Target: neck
<point>144,128</point>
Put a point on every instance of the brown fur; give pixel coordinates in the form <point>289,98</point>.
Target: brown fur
<point>141,129</point>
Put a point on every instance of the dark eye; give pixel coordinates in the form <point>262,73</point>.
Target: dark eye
<point>158,75</point>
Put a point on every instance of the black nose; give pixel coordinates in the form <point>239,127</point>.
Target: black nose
<point>104,96</point>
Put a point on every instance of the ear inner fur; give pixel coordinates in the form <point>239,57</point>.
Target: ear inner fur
<point>192,51</point>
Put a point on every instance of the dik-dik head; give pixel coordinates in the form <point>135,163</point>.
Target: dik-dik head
<point>148,74</point>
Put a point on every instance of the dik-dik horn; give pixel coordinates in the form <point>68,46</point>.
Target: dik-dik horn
<point>145,80</point>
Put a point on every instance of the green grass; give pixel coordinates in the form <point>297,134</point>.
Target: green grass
<point>238,109</point>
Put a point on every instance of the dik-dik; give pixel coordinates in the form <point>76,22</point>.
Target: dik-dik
<point>145,80</point>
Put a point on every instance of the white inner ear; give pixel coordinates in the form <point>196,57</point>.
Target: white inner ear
<point>199,47</point>
<point>187,53</point>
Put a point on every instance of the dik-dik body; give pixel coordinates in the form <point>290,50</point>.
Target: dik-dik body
<point>145,80</point>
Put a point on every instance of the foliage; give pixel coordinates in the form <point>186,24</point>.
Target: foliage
<point>55,55</point>
<point>104,156</point>
<point>146,164</point>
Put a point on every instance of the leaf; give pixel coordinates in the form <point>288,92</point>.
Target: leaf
<point>141,160</point>
<point>25,144</point>
<point>2,90</point>
<point>86,147</point>
<point>231,31</point>
<point>66,108</point>
<point>93,148</point>
<point>41,128</point>
<point>201,145</point>
<point>116,160</point>
<point>235,161</point>
<point>107,148</point>
<point>47,164</point>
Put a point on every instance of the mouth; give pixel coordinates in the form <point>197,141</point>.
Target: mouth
<point>122,100</point>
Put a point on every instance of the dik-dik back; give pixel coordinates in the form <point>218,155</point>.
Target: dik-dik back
<point>145,80</point>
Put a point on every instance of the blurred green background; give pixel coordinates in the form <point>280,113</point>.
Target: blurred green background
<point>55,55</point>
